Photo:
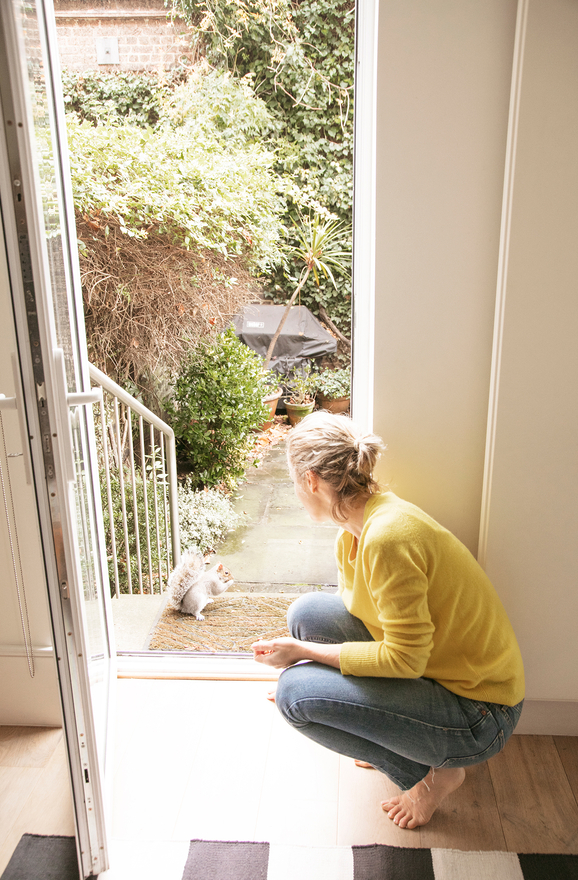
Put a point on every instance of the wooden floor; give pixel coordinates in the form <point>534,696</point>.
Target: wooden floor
<point>34,792</point>
<point>214,760</point>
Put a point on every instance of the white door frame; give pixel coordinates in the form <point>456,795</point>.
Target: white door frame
<point>364,208</point>
<point>63,468</point>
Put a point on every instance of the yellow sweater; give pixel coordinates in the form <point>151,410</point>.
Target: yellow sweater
<point>428,604</point>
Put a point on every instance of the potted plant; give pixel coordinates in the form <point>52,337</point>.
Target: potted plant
<point>334,390</point>
<point>300,398</point>
<point>272,391</point>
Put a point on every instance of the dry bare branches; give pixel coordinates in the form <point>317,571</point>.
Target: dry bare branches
<point>146,302</point>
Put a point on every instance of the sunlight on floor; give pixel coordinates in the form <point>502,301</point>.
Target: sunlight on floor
<point>214,760</point>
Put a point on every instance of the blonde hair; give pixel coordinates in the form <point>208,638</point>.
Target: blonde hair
<point>340,453</point>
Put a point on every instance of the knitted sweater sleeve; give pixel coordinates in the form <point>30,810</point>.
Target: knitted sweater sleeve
<point>391,584</point>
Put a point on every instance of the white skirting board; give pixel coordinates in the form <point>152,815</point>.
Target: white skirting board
<point>549,718</point>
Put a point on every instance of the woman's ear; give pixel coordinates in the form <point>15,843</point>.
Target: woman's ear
<point>312,480</point>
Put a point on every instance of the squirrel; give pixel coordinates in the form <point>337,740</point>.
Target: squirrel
<point>190,587</point>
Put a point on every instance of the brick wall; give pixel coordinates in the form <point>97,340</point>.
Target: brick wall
<point>141,32</point>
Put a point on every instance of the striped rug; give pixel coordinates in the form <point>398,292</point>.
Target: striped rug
<point>237,860</point>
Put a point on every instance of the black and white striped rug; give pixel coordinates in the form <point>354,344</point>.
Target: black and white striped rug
<point>237,860</point>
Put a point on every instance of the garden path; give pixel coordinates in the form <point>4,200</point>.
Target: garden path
<point>278,549</point>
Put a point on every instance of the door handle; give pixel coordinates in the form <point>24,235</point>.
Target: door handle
<point>84,398</point>
<point>17,403</point>
<point>65,432</point>
<point>80,398</point>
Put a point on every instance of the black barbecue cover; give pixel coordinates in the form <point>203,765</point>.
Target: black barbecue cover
<point>302,336</point>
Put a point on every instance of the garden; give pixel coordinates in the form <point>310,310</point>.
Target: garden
<point>199,191</point>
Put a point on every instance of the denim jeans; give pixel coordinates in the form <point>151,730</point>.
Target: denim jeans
<point>401,726</point>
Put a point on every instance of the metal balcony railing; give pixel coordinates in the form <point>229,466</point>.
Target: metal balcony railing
<point>138,475</point>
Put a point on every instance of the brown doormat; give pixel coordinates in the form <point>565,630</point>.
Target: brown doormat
<point>232,623</point>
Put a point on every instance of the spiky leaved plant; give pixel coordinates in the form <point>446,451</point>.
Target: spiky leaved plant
<point>320,249</point>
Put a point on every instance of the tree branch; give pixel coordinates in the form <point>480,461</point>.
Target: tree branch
<point>271,348</point>
<point>327,320</point>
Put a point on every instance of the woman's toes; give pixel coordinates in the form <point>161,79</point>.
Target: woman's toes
<point>390,803</point>
<point>391,807</point>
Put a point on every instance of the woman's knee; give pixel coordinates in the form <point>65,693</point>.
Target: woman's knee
<point>307,615</point>
<point>290,689</point>
<point>323,617</point>
<point>305,691</point>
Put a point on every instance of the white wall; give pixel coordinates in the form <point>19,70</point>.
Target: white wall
<point>443,251</point>
<point>23,699</point>
<point>444,74</point>
<point>532,536</point>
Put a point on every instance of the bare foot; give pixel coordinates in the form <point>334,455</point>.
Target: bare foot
<point>364,764</point>
<point>271,696</point>
<point>415,807</point>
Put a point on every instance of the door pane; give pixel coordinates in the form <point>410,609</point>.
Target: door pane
<point>47,159</point>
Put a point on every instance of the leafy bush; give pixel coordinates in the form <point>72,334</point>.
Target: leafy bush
<point>205,515</point>
<point>217,402</point>
<point>209,101</point>
<point>334,383</point>
<point>203,192</point>
<point>187,158</point>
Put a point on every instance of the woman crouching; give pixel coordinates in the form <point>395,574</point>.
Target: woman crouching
<point>414,666</point>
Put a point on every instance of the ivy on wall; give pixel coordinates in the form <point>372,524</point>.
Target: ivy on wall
<point>300,57</point>
<point>95,97</point>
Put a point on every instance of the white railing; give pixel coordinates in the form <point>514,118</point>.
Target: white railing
<point>138,469</point>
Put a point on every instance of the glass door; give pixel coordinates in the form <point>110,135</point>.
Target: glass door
<point>38,221</point>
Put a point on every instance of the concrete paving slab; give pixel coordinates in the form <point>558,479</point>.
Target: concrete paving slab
<point>278,544</point>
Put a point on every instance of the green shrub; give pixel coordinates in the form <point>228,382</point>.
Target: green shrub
<point>216,404</point>
<point>204,175</point>
<point>334,383</point>
<point>203,193</point>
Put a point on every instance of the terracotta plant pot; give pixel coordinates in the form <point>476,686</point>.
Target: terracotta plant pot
<point>298,411</point>
<point>271,400</point>
<point>334,404</point>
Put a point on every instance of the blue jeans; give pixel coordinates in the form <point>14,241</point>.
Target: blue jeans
<point>401,726</point>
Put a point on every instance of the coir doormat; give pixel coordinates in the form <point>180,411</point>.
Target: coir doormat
<point>236,860</point>
<point>232,623</point>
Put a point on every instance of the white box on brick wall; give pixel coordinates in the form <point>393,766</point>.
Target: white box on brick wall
<point>107,50</point>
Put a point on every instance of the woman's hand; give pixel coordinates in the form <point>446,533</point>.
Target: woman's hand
<point>285,652</point>
<point>279,653</point>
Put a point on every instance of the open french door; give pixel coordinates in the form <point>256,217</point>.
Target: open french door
<point>40,241</point>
